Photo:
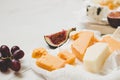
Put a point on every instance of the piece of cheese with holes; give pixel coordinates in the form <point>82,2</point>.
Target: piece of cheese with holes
<point>80,45</point>
<point>50,62</point>
<point>112,43</point>
<point>67,56</point>
<point>95,57</point>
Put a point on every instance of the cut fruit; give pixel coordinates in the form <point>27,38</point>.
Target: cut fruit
<point>114,19</point>
<point>57,39</point>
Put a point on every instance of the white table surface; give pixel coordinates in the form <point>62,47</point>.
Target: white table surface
<point>24,22</point>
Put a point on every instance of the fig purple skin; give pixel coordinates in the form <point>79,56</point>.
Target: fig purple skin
<point>114,19</point>
<point>58,39</point>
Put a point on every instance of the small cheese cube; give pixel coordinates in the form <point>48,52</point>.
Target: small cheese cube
<point>80,45</point>
<point>50,62</point>
<point>95,56</point>
<point>67,56</point>
<point>37,53</point>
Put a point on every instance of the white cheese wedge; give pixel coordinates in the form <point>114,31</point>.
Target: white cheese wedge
<point>95,57</point>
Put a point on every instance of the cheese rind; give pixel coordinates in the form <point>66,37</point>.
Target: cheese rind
<point>95,56</point>
<point>50,62</point>
<point>80,45</point>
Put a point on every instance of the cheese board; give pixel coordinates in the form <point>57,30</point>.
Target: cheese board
<point>104,29</point>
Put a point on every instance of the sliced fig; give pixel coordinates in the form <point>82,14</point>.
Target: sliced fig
<point>57,39</point>
<point>114,19</point>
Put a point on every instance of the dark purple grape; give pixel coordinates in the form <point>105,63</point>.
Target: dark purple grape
<point>14,48</point>
<point>3,65</point>
<point>0,54</point>
<point>5,51</point>
<point>18,54</point>
<point>15,65</point>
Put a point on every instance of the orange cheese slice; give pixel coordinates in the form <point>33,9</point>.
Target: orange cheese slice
<point>50,62</point>
<point>112,43</point>
<point>80,45</point>
<point>67,56</point>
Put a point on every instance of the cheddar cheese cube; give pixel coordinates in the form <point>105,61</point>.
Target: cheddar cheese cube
<point>37,53</point>
<point>67,56</point>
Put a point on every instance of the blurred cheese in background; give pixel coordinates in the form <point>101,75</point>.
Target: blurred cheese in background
<point>97,10</point>
<point>112,4</point>
<point>96,13</point>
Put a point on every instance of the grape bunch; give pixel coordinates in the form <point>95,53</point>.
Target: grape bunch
<point>10,58</point>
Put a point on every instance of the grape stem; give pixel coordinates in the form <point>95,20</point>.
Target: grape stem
<point>7,57</point>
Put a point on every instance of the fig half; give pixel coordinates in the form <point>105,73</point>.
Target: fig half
<point>114,19</point>
<point>57,39</point>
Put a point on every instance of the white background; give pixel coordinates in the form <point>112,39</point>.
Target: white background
<point>25,22</point>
